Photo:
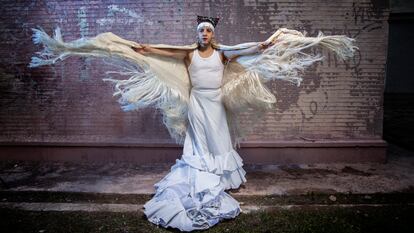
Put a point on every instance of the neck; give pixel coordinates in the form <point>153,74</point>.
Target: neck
<point>205,47</point>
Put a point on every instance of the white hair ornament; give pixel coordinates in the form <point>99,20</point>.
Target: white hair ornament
<point>205,24</point>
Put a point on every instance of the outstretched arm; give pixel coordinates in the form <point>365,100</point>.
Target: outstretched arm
<point>175,53</point>
<point>232,54</point>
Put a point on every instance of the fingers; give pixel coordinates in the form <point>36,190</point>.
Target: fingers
<point>142,49</point>
<point>261,46</point>
<point>266,44</point>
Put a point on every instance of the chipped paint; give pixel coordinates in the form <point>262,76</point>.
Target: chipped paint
<point>127,17</point>
<point>84,29</point>
<point>114,8</point>
<point>82,22</point>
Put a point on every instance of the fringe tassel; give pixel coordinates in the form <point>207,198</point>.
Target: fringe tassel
<point>247,100</point>
<point>285,60</point>
<point>243,88</point>
<point>143,87</point>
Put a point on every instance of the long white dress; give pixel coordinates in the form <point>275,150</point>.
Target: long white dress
<point>192,195</point>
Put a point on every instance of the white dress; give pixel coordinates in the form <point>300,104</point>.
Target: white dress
<point>192,195</point>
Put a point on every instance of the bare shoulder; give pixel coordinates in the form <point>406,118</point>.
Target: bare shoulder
<point>190,54</point>
<point>189,57</point>
<point>222,57</point>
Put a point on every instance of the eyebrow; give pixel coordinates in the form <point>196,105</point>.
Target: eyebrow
<point>208,29</point>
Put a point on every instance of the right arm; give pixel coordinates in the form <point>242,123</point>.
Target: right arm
<point>174,53</point>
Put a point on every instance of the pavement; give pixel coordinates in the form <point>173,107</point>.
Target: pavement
<point>121,187</point>
<point>396,175</point>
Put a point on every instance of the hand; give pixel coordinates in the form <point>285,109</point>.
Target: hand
<point>264,45</point>
<point>144,50</point>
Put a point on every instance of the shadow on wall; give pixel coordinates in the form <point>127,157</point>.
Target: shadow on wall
<point>399,84</point>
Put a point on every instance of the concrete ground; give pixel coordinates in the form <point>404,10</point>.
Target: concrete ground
<point>32,189</point>
<point>127,178</point>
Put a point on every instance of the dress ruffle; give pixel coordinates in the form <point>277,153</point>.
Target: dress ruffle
<point>217,164</point>
<point>189,198</point>
<point>228,166</point>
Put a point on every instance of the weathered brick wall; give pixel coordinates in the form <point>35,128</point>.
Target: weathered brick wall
<point>69,102</point>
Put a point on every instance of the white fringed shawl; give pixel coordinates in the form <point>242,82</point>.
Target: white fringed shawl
<point>164,82</point>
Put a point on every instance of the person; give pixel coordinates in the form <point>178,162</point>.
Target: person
<point>192,196</point>
<point>205,40</point>
<point>201,90</point>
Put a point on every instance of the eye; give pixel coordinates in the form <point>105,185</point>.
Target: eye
<point>208,29</point>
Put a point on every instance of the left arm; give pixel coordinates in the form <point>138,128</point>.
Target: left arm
<point>232,54</point>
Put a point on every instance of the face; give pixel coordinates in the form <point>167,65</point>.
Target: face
<point>205,35</point>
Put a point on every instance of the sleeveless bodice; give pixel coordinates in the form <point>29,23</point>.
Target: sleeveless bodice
<point>206,73</point>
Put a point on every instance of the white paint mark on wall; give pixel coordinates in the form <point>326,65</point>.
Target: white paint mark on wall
<point>82,21</point>
<point>133,17</point>
<point>105,21</point>
<point>114,8</point>
<point>83,28</point>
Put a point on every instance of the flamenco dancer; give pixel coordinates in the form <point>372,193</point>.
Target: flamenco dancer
<point>201,90</point>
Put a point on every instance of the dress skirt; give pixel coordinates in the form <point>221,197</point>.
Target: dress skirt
<point>192,195</point>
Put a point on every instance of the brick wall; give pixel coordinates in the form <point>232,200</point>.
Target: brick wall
<point>68,102</point>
